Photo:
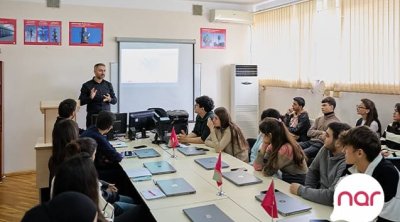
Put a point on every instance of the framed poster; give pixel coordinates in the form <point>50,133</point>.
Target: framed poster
<point>85,34</point>
<point>8,31</point>
<point>40,32</point>
<point>212,38</point>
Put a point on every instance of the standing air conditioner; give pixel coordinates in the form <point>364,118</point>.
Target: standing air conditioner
<point>244,99</point>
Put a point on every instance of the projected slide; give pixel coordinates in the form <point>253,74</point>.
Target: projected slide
<point>149,65</point>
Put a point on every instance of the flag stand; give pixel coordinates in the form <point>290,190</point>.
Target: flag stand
<point>220,192</point>
<point>173,153</point>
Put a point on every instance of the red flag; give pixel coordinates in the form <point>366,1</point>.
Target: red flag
<point>173,140</point>
<point>217,171</point>
<point>269,202</point>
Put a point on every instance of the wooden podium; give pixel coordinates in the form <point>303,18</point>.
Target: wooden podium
<point>50,112</point>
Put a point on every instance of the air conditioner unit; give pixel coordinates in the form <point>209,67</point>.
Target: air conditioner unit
<point>230,16</point>
<point>244,98</point>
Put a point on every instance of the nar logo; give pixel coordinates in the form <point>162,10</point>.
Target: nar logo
<point>358,197</point>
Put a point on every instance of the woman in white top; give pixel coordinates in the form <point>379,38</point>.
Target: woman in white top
<point>369,116</point>
<point>226,136</point>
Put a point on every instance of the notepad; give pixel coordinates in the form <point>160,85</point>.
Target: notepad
<point>138,174</point>
<point>118,144</point>
<point>153,193</point>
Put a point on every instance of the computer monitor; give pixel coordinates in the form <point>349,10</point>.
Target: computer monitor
<point>119,126</point>
<point>142,121</point>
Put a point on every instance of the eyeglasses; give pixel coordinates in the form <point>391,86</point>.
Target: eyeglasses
<point>360,107</point>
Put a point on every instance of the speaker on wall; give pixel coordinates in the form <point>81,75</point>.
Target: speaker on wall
<point>53,3</point>
<point>197,10</point>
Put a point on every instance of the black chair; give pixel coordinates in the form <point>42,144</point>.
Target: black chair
<point>251,142</point>
<point>395,161</point>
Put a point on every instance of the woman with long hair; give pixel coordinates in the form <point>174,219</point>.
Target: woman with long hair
<point>369,116</point>
<point>391,136</point>
<point>79,174</point>
<point>64,132</point>
<point>226,136</point>
<point>282,154</point>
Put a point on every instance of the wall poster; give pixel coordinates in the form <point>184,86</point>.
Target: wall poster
<point>212,38</point>
<point>85,34</point>
<point>8,31</point>
<point>40,32</point>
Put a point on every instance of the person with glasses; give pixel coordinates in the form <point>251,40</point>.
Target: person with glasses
<point>369,116</point>
<point>203,108</point>
<point>362,149</point>
<point>391,136</point>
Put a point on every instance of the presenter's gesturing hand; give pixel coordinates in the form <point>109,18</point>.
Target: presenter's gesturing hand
<point>93,93</point>
<point>107,98</point>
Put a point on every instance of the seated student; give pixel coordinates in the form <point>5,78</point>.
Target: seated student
<point>106,155</point>
<point>362,148</point>
<point>326,169</point>
<point>79,174</point>
<point>64,132</point>
<point>283,153</point>
<point>317,130</point>
<point>369,116</point>
<point>391,136</point>
<point>67,110</point>
<point>109,191</point>
<point>203,107</point>
<point>66,207</point>
<point>258,143</point>
<point>226,136</point>
<point>297,120</point>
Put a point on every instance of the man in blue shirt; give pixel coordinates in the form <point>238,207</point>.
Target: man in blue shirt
<point>97,93</point>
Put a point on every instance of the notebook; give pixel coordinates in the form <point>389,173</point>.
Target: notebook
<point>241,178</point>
<point>146,153</point>
<point>208,213</point>
<point>175,187</point>
<point>286,205</point>
<point>191,151</point>
<point>153,193</point>
<point>208,163</point>
<point>118,144</point>
<point>138,174</point>
<point>159,167</point>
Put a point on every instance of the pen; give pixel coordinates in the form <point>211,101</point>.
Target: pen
<point>152,193</point>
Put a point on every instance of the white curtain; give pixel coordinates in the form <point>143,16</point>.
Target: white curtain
<point>352,45</point>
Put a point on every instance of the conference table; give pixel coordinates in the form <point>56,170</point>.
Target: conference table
<point>238,202</point>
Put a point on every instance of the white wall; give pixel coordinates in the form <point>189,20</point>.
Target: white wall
<point>282,98</point>
<point>36,73</point>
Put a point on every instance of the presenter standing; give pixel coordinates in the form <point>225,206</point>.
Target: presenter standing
<point>97,93</point>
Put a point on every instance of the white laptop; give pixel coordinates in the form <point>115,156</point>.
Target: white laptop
<point>191,151</point>
<point>175,187</point>
<point>207,213</point>
<point>159,167</point>
<point>286,205</point>
<point>241,178</point>
<point>208,163</point>
<point>146,153</point>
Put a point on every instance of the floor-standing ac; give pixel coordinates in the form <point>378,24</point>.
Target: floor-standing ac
<point>244,99</point>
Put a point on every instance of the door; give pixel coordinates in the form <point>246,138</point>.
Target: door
<point>1,121</point>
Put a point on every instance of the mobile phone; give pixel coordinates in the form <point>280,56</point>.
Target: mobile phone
<point>141,146</point>
<point>234,169</point>
<point>203,149</point>
<point>128,153</point>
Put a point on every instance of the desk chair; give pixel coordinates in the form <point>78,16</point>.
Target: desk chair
<point>395,161</point>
